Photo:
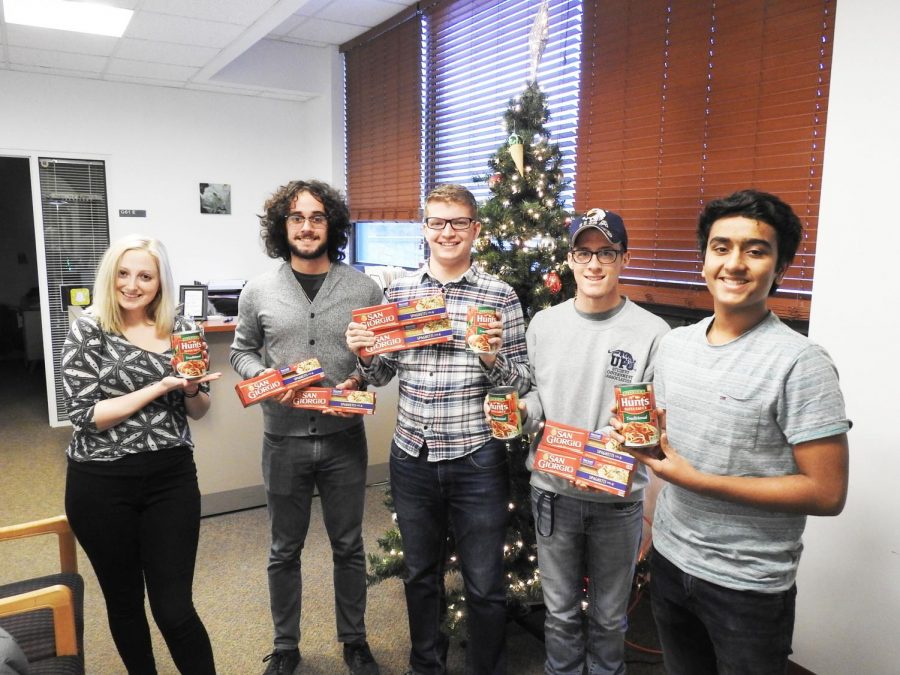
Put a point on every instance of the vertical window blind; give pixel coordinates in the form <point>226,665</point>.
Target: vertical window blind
<point>383,122</point>
<point>76,233</point>
<point>684,102</point>
<point>477,58</point>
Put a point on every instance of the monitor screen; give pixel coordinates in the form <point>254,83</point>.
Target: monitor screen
<point>394,244</point>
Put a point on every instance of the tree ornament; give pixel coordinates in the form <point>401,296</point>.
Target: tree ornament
<point>494,180</point>
<point>553,282</point>
<point>517,152</point>
<point>537,39</point>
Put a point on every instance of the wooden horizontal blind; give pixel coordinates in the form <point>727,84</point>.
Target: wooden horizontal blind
<point>684,102</point>
<point>477,60</point>
<point>384,124</point>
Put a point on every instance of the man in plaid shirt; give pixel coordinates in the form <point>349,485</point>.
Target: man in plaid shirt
<point>444,465</point>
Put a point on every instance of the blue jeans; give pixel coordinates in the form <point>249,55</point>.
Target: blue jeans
<point>705,628</point>
<point>599,540</point>
<point>292,467</point>
<point>471,493</point>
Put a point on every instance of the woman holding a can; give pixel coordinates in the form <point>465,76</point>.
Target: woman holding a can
<point>131,487</point>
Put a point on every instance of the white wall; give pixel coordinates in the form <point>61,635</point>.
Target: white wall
<point>160,143</point>
<point>848,611</point>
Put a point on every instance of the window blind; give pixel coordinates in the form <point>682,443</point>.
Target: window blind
<point>685,102</point>
<point>76,233</point>
<point>383,123</point>
<point>477,59</point>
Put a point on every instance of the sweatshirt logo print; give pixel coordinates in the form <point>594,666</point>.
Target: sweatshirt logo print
<point>621,364</point>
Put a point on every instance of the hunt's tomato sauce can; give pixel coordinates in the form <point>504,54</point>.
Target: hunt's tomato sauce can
<point>477,319</point>
<point>188,346</point>
<point>636,409</point>
<point>503,408</point>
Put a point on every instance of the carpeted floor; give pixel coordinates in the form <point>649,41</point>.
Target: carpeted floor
<point>230,584</point>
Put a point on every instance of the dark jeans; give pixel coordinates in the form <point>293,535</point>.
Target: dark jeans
<point>293,467</point>
<point>472,494</point>
<point>706,628</point>
<point>138,520</point>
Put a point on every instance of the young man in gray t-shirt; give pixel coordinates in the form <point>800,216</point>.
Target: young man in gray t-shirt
<point>754,441</point>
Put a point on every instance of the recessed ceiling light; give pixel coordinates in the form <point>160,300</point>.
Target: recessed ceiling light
<point>81,17</point>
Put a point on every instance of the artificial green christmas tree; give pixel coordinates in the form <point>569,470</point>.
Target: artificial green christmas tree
<point>524,225</point>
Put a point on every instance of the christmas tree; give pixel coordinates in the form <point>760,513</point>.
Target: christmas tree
<point>524,241</point>
<point>524,225</point>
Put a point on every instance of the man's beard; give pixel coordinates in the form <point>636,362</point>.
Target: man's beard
<point>315,254</point>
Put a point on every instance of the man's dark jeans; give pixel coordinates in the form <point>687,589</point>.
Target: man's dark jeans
<point>472,494</point>
<point>706,628</point>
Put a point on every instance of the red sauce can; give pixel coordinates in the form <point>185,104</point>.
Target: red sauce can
<point>503,408</point>
<point>636,410</point>
<point>188,346</point>
<point>478,317</point>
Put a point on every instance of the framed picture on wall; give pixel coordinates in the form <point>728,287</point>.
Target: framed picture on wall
<point>193,299</point>
<point>215,198</point>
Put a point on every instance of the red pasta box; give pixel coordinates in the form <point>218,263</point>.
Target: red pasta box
<point>416,335</point>
<point>605,465</point>
<point>343,400</point>
<point>560,449</point>
<point>289,377</point>
<point>394,315</point>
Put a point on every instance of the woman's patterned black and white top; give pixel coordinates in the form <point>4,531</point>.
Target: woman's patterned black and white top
<point>97,366</point>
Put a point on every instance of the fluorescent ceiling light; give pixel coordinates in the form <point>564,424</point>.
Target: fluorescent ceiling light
<point>81,17</point>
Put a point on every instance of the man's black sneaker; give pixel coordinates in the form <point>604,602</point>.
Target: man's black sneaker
<point>359,659</point>
<point>282,662</point>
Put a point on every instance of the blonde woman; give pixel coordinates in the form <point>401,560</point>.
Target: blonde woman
<point>131,487</point>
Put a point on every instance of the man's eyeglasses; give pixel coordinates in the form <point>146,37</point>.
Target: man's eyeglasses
<point>317,220</point>
<point>455,223</point>
<point>605,256</point>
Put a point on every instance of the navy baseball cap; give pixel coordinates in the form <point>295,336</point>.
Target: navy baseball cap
<point>608,223</point>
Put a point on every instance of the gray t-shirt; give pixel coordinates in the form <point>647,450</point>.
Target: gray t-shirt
<point>576,359</point>
<point>738,409</point>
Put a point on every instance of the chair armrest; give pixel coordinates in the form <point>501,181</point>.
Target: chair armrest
<point>58,525</point>
<point>56,598</point>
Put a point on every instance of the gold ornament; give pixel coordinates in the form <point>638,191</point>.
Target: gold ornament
<point>517,152</point>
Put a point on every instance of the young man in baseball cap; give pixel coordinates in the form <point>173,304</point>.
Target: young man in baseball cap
<point>609,340</point>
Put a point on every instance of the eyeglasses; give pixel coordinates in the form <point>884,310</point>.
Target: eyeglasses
<point>317,220</point>
<point>605,256</point>
<point>455,223</point>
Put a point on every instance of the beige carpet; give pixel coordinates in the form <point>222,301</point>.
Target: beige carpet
<point>230,587</point>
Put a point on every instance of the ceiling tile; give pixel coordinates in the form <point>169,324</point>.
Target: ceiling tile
<point>165,52</point>
<point>57,60</point>
<point>241,12</point>
<point>319,31</point>
<point>167,28</point>
<point>360,12</point>
<point>159,71</point>
<point>60,40</point>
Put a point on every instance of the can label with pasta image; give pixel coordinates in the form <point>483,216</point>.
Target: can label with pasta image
<point>503,408</point>
<point>636,410</point>
<point>478,317</point>
<point>188,359</point>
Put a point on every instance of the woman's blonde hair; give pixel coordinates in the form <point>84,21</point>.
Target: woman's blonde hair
<point>105,307</point>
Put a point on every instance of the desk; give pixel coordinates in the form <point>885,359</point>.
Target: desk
<point>228,440</point>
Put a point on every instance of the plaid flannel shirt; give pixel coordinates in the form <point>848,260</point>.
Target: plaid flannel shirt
<point>442,386</point>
